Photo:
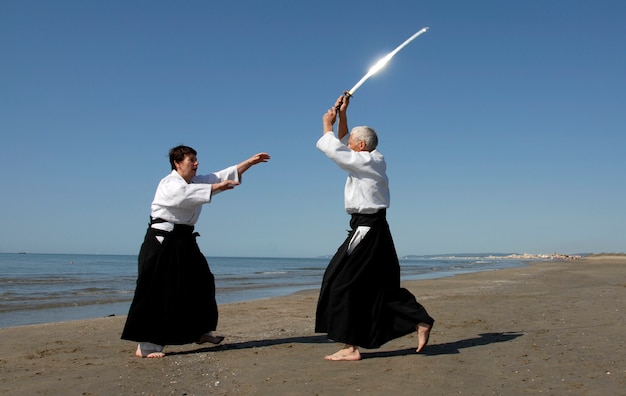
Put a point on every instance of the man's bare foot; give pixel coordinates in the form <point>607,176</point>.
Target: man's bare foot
<point>204,338</point>
<point>423,334</point>
<point>348,353</point>
<point>147,353</point>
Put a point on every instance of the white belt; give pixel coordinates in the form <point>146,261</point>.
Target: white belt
<point>165,226</point>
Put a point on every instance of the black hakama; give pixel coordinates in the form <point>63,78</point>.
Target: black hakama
<point>174,300</point>
<point>361,302</point>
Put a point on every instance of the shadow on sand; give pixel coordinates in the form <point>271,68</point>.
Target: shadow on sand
<point>448,348</point>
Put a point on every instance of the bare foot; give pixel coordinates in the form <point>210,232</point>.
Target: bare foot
<point>349,353</point>
<point>204,338</point>
<point>423,333</point>
<point>148,354</point>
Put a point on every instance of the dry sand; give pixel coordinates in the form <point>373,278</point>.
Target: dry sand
<point>552,328</point>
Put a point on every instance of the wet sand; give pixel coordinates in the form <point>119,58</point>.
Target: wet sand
<point>551,328</point>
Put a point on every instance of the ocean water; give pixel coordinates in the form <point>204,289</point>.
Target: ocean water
<point>43,288</point>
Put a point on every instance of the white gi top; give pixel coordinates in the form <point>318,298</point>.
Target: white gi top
<point>180,203</point>
<point>367,186</point>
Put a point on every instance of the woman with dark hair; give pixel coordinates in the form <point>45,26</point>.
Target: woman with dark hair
<point>174,300</point>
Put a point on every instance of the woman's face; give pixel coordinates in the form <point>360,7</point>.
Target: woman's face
<point>187,167</point>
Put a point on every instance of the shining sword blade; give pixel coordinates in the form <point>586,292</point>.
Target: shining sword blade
<point>384,60</point>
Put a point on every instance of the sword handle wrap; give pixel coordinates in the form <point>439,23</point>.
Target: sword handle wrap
<point>345,94</point>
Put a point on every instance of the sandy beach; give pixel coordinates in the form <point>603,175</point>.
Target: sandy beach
<point>551,328</point>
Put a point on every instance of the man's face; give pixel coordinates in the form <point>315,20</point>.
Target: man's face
<point>355,145</point>
<point>187,167</point>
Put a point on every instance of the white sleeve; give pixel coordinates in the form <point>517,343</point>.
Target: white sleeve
<point>177,193</point>
<point>230,173</point>
<point>356,162</point>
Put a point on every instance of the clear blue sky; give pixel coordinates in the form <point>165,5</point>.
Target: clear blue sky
<point>504,126</point>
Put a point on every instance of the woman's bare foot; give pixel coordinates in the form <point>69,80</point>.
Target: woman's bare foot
<point>148,351</point>
<point>348,353</point>
<point>423,334</point>
<point>209,337</point>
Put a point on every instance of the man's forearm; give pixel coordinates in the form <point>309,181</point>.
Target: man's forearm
<point>342,126</point>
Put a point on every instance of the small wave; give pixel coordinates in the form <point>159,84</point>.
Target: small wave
<point>272,272</point>
<point>37,281</point>
<point>230,289</point>
<point>29,306</point>
<point>92,291</point>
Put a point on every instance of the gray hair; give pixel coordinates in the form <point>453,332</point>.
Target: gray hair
<point>367,135</point>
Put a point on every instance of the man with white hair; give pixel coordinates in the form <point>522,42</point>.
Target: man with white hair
<point>361,303</point>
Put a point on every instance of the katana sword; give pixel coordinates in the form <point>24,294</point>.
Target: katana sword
<point>382,62</point>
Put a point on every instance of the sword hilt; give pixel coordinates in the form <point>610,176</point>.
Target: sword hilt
<point>346,94</point>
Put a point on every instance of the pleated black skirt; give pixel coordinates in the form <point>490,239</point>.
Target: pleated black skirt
<point>174,301</point>
<point>361,302</point>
